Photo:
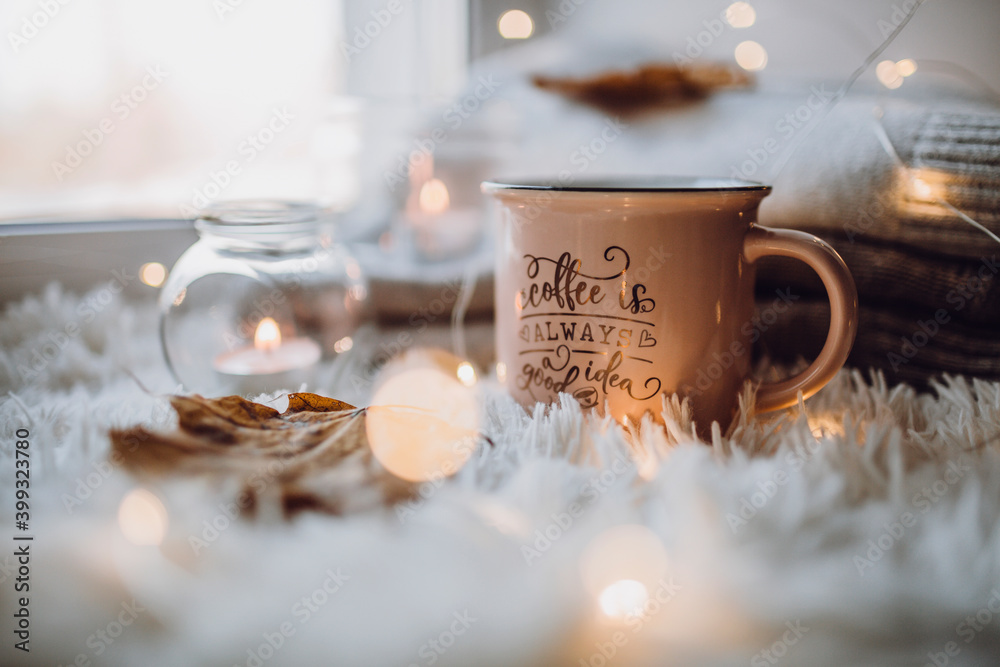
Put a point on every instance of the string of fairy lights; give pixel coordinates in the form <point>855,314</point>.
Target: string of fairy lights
<point>516,24</point>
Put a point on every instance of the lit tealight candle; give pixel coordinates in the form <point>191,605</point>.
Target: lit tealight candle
<point>441,229</point>
<point>270,360</point>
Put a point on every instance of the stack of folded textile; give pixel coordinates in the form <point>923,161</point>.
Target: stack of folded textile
<point>895,196</point>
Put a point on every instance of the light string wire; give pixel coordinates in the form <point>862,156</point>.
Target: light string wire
<point>843,90</point>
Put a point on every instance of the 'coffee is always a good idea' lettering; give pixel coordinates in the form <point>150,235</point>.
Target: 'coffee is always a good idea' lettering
<point>567,317</point>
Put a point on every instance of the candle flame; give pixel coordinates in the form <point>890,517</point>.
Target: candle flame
<point>434,197</point>
<point>268,335</point>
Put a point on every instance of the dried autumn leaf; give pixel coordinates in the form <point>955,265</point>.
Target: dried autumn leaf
<point>647,87</point>
<point>315,403</point>
<point>315,455</point>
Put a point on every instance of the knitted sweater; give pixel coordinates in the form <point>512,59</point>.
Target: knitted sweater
<point>888,199</point>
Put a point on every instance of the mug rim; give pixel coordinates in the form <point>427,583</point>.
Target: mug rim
<point>628,184</point>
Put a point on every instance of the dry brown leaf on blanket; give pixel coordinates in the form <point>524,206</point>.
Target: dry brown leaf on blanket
<point>315,455</point>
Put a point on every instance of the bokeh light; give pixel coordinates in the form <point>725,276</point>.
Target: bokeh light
<point>466,374</point>
<point>433,197</point>
<point>888,74</point>
<point>343,345</point>
<point>924,185</point>
<point>906,67</point>
<point>627,552</point>
<point>142,518</point>
<point>751,56</point>
<point>646,461</point>
<point>921,188</point>
<point>152,274</point>
<point>515,24</point>
<point>741,15</point>
<point>825,426</point>
<point>423,421</point>
<point>623,598</point>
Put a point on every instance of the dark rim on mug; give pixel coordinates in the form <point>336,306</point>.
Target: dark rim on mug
<point>612,184</point>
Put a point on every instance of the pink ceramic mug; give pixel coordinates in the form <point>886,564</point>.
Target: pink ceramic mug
<point>621,291</point>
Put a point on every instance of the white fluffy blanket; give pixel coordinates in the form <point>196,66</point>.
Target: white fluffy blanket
<point>860,529</point>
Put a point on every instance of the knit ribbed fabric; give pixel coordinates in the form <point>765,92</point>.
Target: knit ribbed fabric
<point>955,158</point>
<point>902,280</point>
<point>890,179</point>
<point>880,189</point>
<point>907,346</point>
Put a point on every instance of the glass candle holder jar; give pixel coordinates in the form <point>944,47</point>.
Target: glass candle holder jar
<point>260,300</point>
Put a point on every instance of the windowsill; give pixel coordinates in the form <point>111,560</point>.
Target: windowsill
<point>82,254</point>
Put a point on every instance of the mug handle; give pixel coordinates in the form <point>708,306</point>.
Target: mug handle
<point>843,295</point>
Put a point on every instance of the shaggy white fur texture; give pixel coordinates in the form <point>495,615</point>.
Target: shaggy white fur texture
<point>875,543</point>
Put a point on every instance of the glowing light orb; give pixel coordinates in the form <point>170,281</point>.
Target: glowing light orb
<point>627,552</point>
<point>423,421</point>
<point>515,24</point>
<point>466,374</point>
<point>751,56</point>
<point>343,345</point>
<point>741,15</point>
<point>888,74</point>
<point>825,426</point>
<point>434,198</point>
<point>142,518</point>
<point>623,599</point>
<point>152,274</point>
<point>906,67</point>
